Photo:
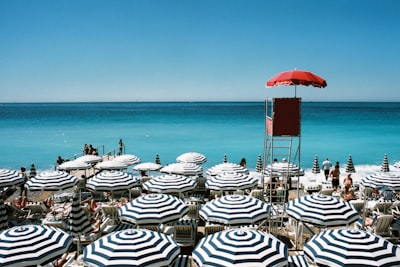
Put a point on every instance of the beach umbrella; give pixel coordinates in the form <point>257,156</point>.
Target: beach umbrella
<point>191,157</point>
<point>89,159</point>
<point>187,169</point>
<point>226,167</point>
<point>315,168</point>
<point>259,165</point>
<point>32,245</point>
<point>132,247</point>
<point>351,247</point>
<point>350,165</point>
<point>235,210</point>
<point>32,171</point>
<point>231,181</point>
<point>240,247</point>
<point>296,77</point>
<point>397,165</point>
<point>147,166</point>
<point>10,178</point>
<point>51,181</point>
<point>381,179</point>
<point>297,261</point>
<point>111,165</point>
<point>322,210</point>
<point>153,209</point>
<point>225,159</point>
<point>170,184</point>
<point>157,160</point>
<point>283,168</point>
<point>3,215</point>
<point>74,165</point>
<point>110,181</point>
<point>127,159</point>
<point>385,164</point>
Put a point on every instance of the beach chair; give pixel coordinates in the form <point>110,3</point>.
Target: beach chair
<point>36,211</point>
<point>257,193</point>
<point>212,229</point>
<point>358,204</point>
<point>185,235</point>
<point>135,192</point>
<point>382,207</point>
<point>193,212</point>
<point>326,191</point>
<point>15,216</point>
<point>382,226</point>
<point>201,185</point>
<point>111,211</point>
<point>395,209</point>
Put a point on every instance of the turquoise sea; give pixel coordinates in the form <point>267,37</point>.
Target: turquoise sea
<point>39,132</point>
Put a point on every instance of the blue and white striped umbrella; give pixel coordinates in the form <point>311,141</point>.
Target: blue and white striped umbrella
<point>89,159</point>
<point>74,165</point>
<point>107,181</point>
<point>231,181</point>
<point>283,169</point>
<point>31,245</point>
<point>380,179</point>
<point>132,247</point>
<point>297,261</point>
<point>240,247</point>
<point>3,215</point>
<point>187,169</point>
<point>351,247</point>
<point>322,210</point>
<point>191,157</point>
<point>169,184</point>
<point>147,166</point>
<point>111,165</point>
<point>51,181</point>
<point>78,221</point>
<point>128,159</point>
<point>226,167</point>
<point>235,210</point>
<point>10,178</point>
<point>153,209</point>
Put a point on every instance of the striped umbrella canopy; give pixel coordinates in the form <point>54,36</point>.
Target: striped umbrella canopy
<point>74,165</point>
<point>31,245</point>
<point>259,165</point>
<point>157,159</point>
<point>235,210</point>
<point>132,247</point>
<point>147,166</point>
<point>3,215</point>
<point>170,184</point>
<point>297,261</point>
<point>382,179</point>
<point>385,164</point>
<point>78,222</point>
<point>127,159</point>
<point>283,169</point>
<point>111,165</point>
<point>187,169</point>
<point>230,181</point>
<point>226,167</point>
<point>240,247</point>
<point>397,165</point>
<point>107,181</point>
<point>10,178</point>
<point>51,181</point>
<point>322,210</point>
<point>153,209</point>
<point>351,247</point>
<point>350,165</point>
<point>315,168</point>
<point>191,157</point>
<point>89,158</point>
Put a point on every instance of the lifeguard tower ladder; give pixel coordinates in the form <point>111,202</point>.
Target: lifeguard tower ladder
<point>282,145</point>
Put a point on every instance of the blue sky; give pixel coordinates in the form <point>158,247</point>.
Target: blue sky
<point>187,50</point>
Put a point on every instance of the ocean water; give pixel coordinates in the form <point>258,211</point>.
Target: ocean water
<point>39,132</point>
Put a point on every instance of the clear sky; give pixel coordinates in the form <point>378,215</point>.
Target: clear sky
<point>196,50</point>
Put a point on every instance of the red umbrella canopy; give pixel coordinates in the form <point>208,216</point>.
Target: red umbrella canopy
<point>296,77</point>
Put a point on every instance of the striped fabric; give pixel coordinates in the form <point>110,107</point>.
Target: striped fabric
<point>231,181</point>
<point>235,210</point>
<point>109,181</point>
<point>351,247</point>
<point>79,222</point>
<point>3,215</point>
<point>127,159</point>
<point>191,157</point>
<point>382,179</point>
<point>31,245</point>
<point>240,247</point>
<point>322,210</point>
<point>10,178</point>
<point>226,167</point>
<point>187,169</point>
<point>51,181</point>
<point>132,247</point>
<point>297,261</point>
<point>74,165</point>
<point>147,166</point>
<point>182,261</point>
<point>153,209</point>
<point>170,184</point>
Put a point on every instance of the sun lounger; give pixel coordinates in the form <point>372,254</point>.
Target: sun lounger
<point>36,210</point>
<point>211,229</point>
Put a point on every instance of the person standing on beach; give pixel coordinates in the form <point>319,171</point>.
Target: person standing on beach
<point>22,185</point>
<point>326,166</point>
<point>335,173</point>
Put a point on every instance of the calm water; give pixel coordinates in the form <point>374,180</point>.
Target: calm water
<point>38,133</point>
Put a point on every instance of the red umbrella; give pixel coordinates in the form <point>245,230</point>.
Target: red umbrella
<point>296,77</point>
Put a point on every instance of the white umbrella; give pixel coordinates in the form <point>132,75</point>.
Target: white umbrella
<point>351,247</point>
<point>74,165</point>
<point>240,247</point>
<point>230,181</point>
<point>235,210</point>
<point>10,178</point>
<point>283,169</point>
<point>147,166</point>
<point>169,184</point>
<point>89,158</point>
<point>51,181</point>
<point>111,165</point>
<point>226,167</point>
<point>31,245</point>
<point>153,209</point>
<point>127,159</point>
<point>187,169</point>
<point>107,181</point>
<point>131,247</point>
<point>191,157</point>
